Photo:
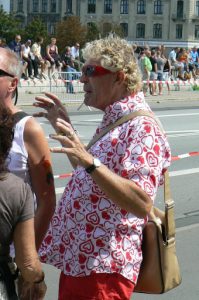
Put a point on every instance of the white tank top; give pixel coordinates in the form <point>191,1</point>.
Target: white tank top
<point>18,159</point>
<point>18,156</point>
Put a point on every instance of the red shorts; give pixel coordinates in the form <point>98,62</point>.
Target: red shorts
<point>97,286</point>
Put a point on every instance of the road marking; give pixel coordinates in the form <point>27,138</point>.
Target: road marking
<point>184,172</point>
<point>188,227</point>
<point>159,116</point>
<point>178,115</point>
<point>59,190</point>
<point>181,131</point>
<point>182,134</point>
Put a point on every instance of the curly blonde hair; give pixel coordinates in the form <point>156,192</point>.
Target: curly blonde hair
<point>115,54</point>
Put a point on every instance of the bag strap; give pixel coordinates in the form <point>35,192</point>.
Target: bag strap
<point>120,121</point>
<point>169,210</point>
<point>19,115</point>
<point>168,201</point>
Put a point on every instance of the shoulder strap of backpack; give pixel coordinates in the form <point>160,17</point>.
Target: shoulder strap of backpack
<point>19,115</point>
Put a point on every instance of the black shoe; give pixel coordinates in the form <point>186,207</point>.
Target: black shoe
<point>24,76</point>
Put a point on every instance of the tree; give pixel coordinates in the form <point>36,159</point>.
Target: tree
<point>107,28</point>
<point>9,26</point>
<point>69,32</point>
<point>35,29</point>
<point>93,32</point>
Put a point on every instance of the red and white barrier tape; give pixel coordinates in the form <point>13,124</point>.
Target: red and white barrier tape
<point>174,158</point>
<point>62,176</point>
<point>184,155</point>
<point>178,82</point>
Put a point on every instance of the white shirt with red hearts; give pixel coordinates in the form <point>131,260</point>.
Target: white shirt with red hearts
<point>89,233</point>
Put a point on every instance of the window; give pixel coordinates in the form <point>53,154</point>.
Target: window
<point>180,5</point>
<point>44,6</point>
<point>140,30</point>
<point>197,8</point>
<point>69,6</point>
<point>141,7</point>
<point>178,31</point>
<point>52,29</point>
<point>35,5</point>
<point>91,6</point>
<point>11,5</point>
<point>108,6</point>
<point>157,31</point>
<point>124,6</point>
<point>124,27</point>
<point>20,5</point>
<point>53,6</point>
<point>158,7</point>
<point>197,32</point>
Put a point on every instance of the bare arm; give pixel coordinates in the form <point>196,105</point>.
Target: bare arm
<point>28,262</point>
<point>42,180</point>
<point>26,255</point>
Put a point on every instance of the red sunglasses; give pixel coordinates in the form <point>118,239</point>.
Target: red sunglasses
<point>93,70</point>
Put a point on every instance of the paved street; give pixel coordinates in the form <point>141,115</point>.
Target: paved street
<point>179,113</point>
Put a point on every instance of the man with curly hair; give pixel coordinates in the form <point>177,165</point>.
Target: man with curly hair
<point>96,233</point>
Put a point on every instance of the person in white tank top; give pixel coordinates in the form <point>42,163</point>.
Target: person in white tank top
<point>30,155</point>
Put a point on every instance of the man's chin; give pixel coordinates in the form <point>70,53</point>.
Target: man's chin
<point>87,102</point>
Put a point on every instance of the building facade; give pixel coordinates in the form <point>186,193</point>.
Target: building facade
<point>153,22</point>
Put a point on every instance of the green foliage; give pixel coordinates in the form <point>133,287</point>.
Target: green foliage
<point>107,28</point>
<point>93,32</point>
<point>35,29</point>
<point>195,87</point>
<point>9,26</point>
<point>69,32</point>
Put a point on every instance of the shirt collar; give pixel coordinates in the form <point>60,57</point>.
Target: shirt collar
<point>123,107</point>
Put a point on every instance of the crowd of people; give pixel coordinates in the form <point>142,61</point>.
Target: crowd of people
<point>157,65</point>
<point>94,235</point>
<point>41,63</point>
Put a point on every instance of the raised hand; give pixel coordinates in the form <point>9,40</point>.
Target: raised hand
<point>53,107</point>
<point>71,144</point>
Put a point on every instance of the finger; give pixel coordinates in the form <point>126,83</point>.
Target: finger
<point>58,150</point>
<point>43,102</point>
<point>40,114</point>
<point>53,97</point>
<point>62,137</point>
<point>64,123</point>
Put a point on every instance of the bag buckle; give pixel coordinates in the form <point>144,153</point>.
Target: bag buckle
<point>170,241</point>
<point>169,204</point>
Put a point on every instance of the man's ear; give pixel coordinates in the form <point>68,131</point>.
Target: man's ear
<point>13,84</point>
<point>120,77</point>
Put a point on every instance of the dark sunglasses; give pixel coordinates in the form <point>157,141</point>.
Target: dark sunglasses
<point>4,73</point>
<point>93,70</point>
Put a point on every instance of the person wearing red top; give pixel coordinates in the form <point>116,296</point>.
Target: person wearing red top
<point>95,235</point>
